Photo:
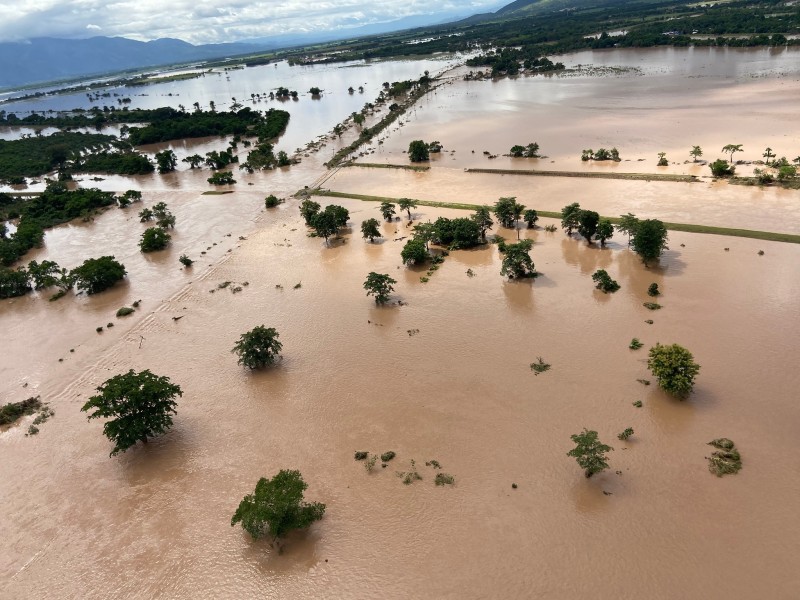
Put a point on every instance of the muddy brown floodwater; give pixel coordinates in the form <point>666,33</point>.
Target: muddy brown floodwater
<point>443,376</point>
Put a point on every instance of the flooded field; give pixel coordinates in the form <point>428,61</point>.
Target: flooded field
<point>443,376</point>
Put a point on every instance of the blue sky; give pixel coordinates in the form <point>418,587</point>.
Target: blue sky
<point>203,22</point>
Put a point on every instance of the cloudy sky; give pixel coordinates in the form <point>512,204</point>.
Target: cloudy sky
<point>198,21</point>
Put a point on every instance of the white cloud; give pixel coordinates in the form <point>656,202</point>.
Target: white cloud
<point>199,22</point>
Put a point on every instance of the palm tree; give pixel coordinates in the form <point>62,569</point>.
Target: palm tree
<point>695,152</point>
<point>732,148</point>
<point>768,155</point>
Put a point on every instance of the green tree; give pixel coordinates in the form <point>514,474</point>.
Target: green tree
<point>258,348</point>
<point>425,233</point>
<point>222,178</point>
<point>721,168</point>
<point>649,239</point>
<point>696,152</point>
<point>674,368</point>
<point>324,224</point>
<point>418,151</point>
<point>604,282</point>
<point>532,150</point>
<point>517,151</point>
<point>517,262</point>
<point>530,217</point>
<point>97,274</point>
<point>153,239</point>
<point>308,208</point>
<point>14,283</point>
<point>507,210</point>
<point>387,210</point>
<point>589,452</point>
<point>662,159</point>
<point>271,201</point>
<point>380,286</point>
<point>414,252</point>
<point>787,172</point>
<point>45,274</point>
<point>570,217</point>
<point>605,231</point>
<point>627,225</point>
<point>588,220</point>
<point>194,161</point>
<point>768,155</point>
<point>407,204</point>
<point>166,161</point>
<point>483,219</point>
<point>369,229</point>
<point>277,507</point>
<point>733,149</point>
<point>138,406</point>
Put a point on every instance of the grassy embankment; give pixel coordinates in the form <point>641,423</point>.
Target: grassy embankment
<point>688,227</point>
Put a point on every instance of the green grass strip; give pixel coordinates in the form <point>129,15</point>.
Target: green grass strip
<point>389,166</point>
<point>592,175</point>
<point>745,233</point>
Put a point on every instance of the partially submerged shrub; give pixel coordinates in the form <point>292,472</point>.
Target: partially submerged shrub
<point>604,282</point>
<point>15,410</point>
<point>540,366</point>
<point>625,434</point>
<point>258,347</point>
<point>125,311</point>
<point>444,479</point>
<point>674,367</point>
<point>651,305</point>
<point>185,261</point>
<point>635,344</point>
<point>387,456</point>
<point>361,455</point>
<point>653,290</point>
<point>369,463</point>
<point>411,475</point>
<point>271,201</point>
<point>726,460</point>
<point>638,404</point>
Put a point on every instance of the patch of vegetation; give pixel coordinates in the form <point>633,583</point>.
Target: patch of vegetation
<point>674,368</point>
<point>258,347</point>
<point>653,290</point>
<point>154,239</point>
<point>137,406</point>
<point>97,274</point>
<point>185,261</point>
<point>380,286</point>
<point>444,479</point>
<point>625,434</point>
<point>726,460</point>
<point>652,305</point>
<point>638,404</point>
<point>125,311</point>
<point>360,455</point>
<point>589,452</point>
<point>387,456</point>
<point>277,507</point>
<point>410,476</point>
<point>604,282</point>
<point>222,178</point>
<point>635,344</point>
<point>271,201</point>
<point>540,366</point>
<point>13,411</point>
<point>369,463</point>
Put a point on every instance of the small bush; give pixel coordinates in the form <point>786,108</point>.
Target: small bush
<point>638,404</point>
<point>125,311</point>
<point>651,305</point>
<point>369,463</point>
<point>361,455</point>
<point>540,366</point>
<point>721,168</point>
<point>604,282</point>
<point>153,239</point>
<point>625,434</point>
<point>271,201</point>
<point>185,261</point>
<point>387,456</point>
<point>15,410</point>
<point>444,479</point>
<point>635,344</point>
<point>653,290</point>
<point>726,460</point>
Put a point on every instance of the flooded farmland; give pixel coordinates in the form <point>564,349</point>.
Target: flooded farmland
<point>443,376</point>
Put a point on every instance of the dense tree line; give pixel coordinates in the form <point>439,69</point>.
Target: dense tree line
<point>35,156</point>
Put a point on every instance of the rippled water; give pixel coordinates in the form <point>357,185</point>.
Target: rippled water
<point>154,522</point>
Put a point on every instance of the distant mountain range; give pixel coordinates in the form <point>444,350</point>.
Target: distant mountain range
<point>41,60</point>
<point>50,59</point>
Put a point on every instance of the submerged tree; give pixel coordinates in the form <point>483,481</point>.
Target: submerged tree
<point>387,210</point>
<point>605,231</point>
<point>627,225</point>
<point>414,252</point>
<point>276,507</point>
<point>696,152</point>
<point>369,229</point>
<point>649,239</point>
<point>589,452</point>
<point>674,368</point>
<point>308,208</point>
<point>138,406</point>
<point>732,149</point>
<point>570,217</point>
<point>418,151</point>
<point>407,204</point>
<point>483,219</point>
<point>517,262</point>
<point>166,160</point>
<point>588,220</point>
<point>379,285</point>
<point>530,217</point>
<point>258,348</point>
<point>97,274</point>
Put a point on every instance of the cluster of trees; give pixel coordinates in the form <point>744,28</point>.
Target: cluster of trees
<point>327,222</point>
<point>93,276</point>
<point>647,237</point>
<point>587,223</point>
<point>529,151</point>
<point>600,154</point>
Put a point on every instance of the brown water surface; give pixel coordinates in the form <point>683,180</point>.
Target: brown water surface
<point>443,376</point>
